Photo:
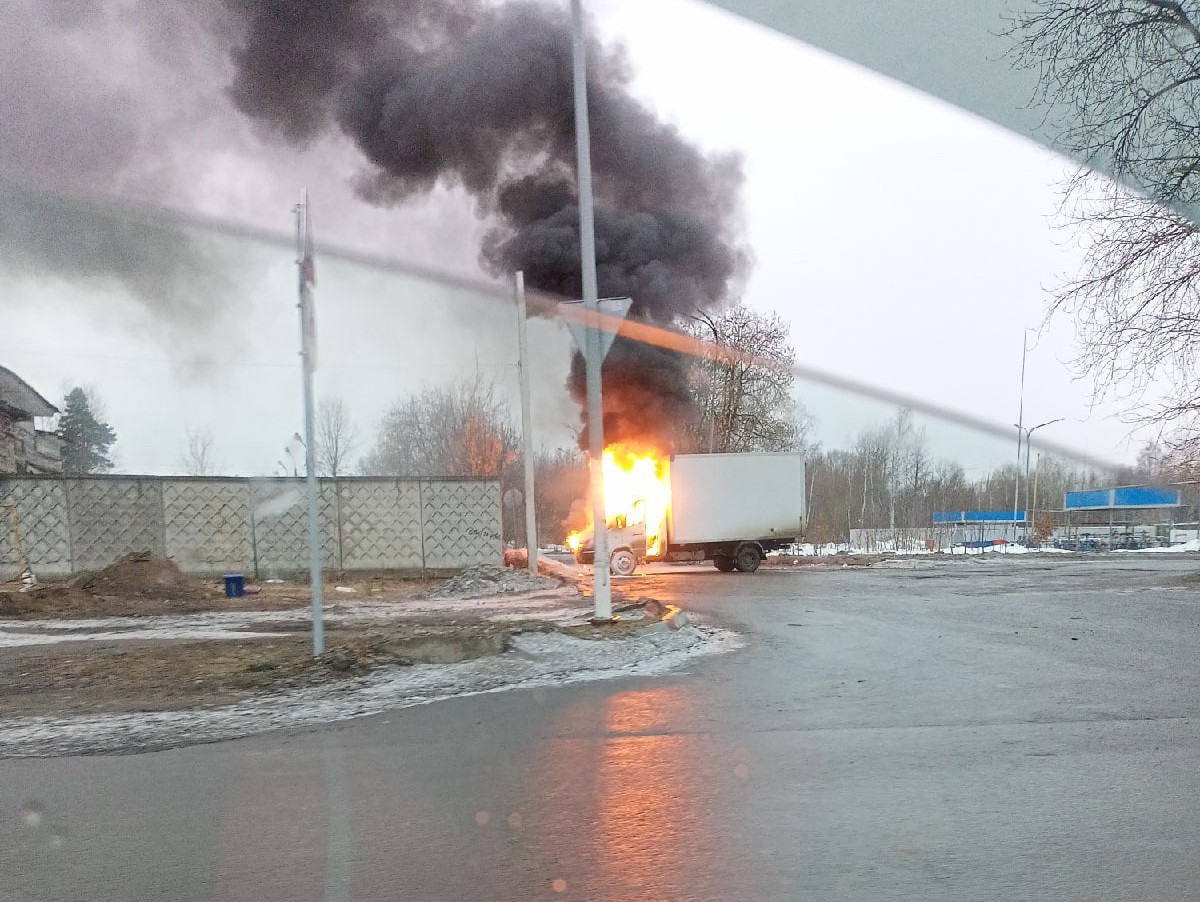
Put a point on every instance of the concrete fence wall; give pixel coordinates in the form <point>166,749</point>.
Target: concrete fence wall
<point>211,525</point>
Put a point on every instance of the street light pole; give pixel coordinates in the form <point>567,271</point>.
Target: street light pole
<point>593,352</point>
<point>1037,473</point>
<point>1028,443</point>
<point>1020,424</point>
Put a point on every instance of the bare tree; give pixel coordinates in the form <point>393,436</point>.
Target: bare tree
<point>198,457</point>
<point>336,437</point>
<point>1121,81</point>
<point>461,429</point>
<point>745,404</point>
<point>889,481</point>
<point>1162,463</point>
<point>831,495</point>
<point>909,464</point>
<point>895,467</point>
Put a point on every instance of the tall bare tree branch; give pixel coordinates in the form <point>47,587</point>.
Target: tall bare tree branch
<point>1123,77</point>
<point>199,453</point>
<point>462,429</point>
<point>336,437</point>
<point>745,405</point>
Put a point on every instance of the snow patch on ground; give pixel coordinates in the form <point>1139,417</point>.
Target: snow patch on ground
<point>559,606</point>
<point>15,639</point>
<point>536,660</point>
<point>1191,545</point>
<point>834,551</point>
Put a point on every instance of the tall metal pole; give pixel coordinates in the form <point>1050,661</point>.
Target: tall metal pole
<point>308,339</point>
<point>531,534</point>
<point>601,588</point>
<point>1036,475</point>
<point>1020,427</point>
<point>1028,445</point>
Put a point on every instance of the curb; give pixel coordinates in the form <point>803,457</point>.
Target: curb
<point>673,619</point>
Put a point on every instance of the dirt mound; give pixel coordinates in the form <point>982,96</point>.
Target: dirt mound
<point>50,600</point>
<point>136,584</point>
<point>140,574</point>
<point>489,580</point>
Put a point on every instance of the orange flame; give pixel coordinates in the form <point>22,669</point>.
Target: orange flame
<point>637,491</point>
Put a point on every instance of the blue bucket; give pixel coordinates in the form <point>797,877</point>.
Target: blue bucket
<point>235,585</point>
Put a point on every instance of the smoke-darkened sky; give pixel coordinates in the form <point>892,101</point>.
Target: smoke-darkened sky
<point>432,94</point>
<point>908,243</point>
<point>478,96</point>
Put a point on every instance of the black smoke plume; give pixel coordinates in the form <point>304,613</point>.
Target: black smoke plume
<point>467,94</point>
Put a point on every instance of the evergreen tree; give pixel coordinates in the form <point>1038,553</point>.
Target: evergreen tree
<point>85,438</point>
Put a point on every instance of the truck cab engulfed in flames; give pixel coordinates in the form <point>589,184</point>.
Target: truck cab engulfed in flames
<point>728,508</point>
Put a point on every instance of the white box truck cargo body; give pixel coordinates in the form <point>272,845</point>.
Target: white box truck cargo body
<point>728,508</point>
<point>735,497</point>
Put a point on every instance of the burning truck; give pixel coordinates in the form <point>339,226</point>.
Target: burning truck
<point>728,508</point>
<point>476,97</point>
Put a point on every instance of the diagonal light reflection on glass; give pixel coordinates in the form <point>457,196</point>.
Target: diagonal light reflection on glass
<point>132,218</point>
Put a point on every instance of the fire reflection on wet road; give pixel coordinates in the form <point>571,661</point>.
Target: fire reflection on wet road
<point>649,792</point>
<point>945,730</point>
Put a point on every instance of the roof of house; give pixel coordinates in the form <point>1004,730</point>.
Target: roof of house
<point>17,394</point>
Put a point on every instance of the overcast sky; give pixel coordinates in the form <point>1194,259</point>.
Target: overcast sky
<point>909,243</point>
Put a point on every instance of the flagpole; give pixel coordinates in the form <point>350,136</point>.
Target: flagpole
<point>308,363</point>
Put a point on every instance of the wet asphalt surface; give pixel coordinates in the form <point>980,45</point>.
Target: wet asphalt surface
<point>1020,728</point>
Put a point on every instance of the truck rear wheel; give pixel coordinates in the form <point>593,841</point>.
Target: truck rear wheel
<point>748,558</point>
<point>723,562</point>
<point>623,562</point>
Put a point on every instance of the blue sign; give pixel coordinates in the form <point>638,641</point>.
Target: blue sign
<point>1141,496</point>
<point>1084,501</point>
<point>1008,516</point>
<point>1128,498</point>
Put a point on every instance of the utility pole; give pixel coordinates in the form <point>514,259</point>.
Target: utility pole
<point>1036,475</point>
<point>1020,424</point>
<point>531,536</point>
<point>308,363</point>
<point>1028,443</point>
<point>593,352</point>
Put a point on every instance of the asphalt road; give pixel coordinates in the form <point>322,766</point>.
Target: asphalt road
<point>992,730</point>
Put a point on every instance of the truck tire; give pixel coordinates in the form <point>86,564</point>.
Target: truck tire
<point>723,562</point>
<point>748,558</point>
<point>622,562</point>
